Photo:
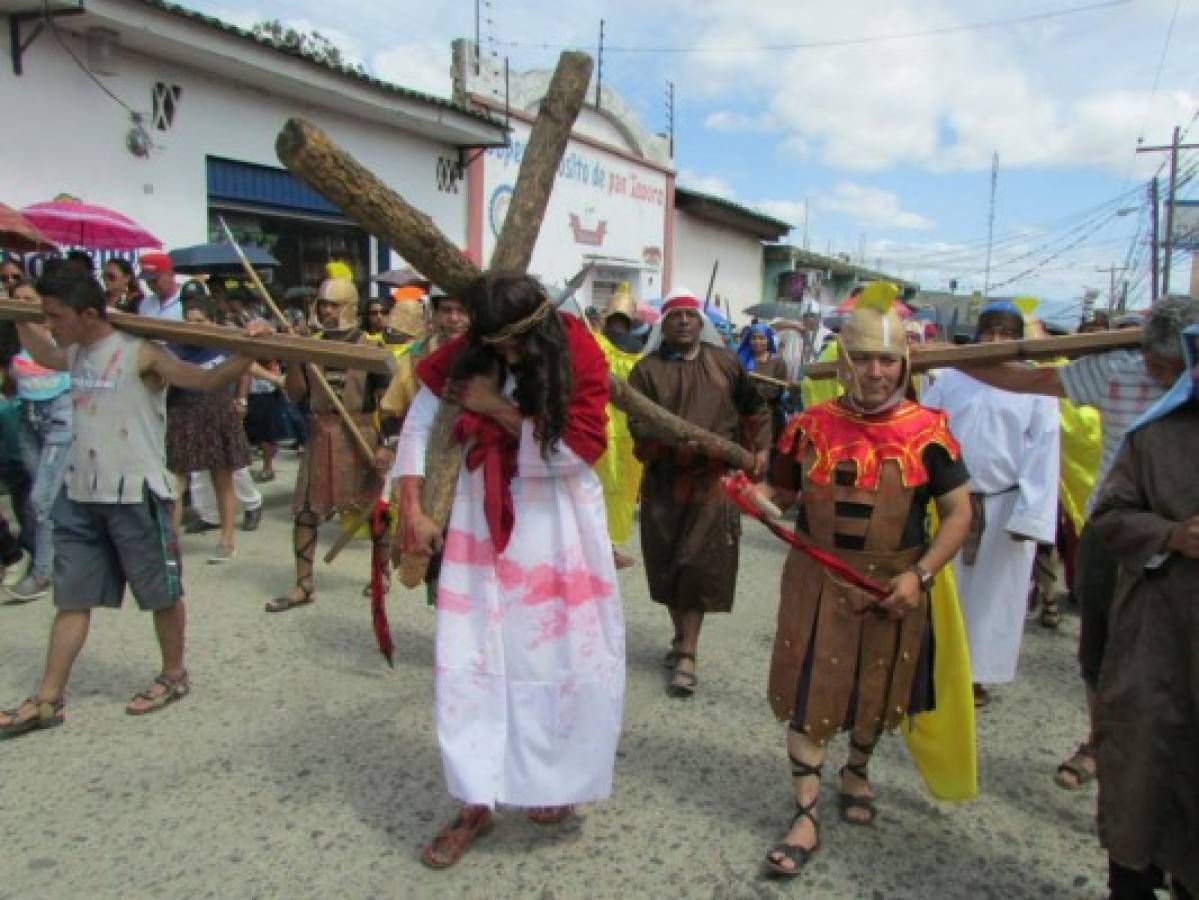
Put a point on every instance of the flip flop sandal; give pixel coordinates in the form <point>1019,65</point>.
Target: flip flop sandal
<point>1075,766</point>
<point>683,684</point>
<point>551,815</point>
<point>452,841</point>
<point>172,691</point>
<point>50,714</point>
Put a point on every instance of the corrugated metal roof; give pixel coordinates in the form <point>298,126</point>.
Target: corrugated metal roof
<point>384,86</point>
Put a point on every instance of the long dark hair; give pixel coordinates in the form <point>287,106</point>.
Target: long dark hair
<point>545,376</point>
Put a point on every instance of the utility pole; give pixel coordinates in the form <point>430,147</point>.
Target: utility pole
<point>670,115</point>
<point>1153,211</point>
<point>1173,147</point>
<point>599,66</point>
<point>991,224</point>
<point>1111,293</point>
<point>805,223</point>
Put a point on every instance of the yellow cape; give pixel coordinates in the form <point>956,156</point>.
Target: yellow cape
<point>618,469</point>
<point>942,742</point>
<point>1081,449</point>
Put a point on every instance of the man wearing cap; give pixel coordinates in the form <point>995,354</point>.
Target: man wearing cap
<point>864,468</point>
<point>690,530</point>
<point>333,475</point>
<point>1010,445</point>
<point>163,301</point>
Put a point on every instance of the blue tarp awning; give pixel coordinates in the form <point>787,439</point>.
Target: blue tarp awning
<point>241,182</point>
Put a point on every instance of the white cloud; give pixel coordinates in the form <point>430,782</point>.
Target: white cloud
<point>706,184</point>
<point>870,207</point>
<point>729,120</point>
<point>1045,94</point>
<point>420,66</point>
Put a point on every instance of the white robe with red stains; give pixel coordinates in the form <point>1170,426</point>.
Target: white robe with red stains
<point>529,657</point>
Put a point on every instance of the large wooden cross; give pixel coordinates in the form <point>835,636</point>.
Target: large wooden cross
<point>313,157</point>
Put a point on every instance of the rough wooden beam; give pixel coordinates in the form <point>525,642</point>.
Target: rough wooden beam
<point>539,166</point>
<point>312,157</point>
<point>969,355</point>
<point>336,354</point>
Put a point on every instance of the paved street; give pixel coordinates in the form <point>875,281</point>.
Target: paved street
<point>301,766</point>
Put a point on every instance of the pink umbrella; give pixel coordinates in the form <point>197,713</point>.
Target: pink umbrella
<point>18,233</point>
<point>67,220</point>
<point>646,313</point>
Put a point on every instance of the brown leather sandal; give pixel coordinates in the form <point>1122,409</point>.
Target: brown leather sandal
<point>48,714</point>
<point>550,815</point>
<point>683,684</point>
<point>454,839</point>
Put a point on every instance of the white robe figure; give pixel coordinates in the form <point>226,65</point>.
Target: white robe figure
<point>529,654</point>
<point>1010,445</point>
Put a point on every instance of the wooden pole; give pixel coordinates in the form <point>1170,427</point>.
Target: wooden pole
<point>1068,347</point>
<point>539,167</point>
<point>275,346</point>
<point>315,375</point>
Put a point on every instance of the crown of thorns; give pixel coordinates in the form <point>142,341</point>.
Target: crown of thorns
<point>520,326</point>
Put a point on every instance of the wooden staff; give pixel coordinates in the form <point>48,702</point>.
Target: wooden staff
<point>315,375</point>
<point>970,355</point>
<point>275,346</point>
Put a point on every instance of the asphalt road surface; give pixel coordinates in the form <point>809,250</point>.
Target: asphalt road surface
<point>302,766</point>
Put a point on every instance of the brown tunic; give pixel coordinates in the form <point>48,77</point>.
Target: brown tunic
<point>333,474</point>
<point>1148,711</point>
<point>690,531</point>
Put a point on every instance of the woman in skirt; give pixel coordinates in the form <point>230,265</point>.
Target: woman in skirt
<point>204,433</point>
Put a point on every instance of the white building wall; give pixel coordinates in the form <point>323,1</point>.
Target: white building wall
<point>66,136</point>
<point>698,244</point>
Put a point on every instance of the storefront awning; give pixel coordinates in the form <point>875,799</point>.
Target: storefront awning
<point>263,186</point>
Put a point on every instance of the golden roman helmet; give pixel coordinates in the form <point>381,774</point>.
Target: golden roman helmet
<point>622,302</point>
<point>339,288</point>
<point>873,326</point>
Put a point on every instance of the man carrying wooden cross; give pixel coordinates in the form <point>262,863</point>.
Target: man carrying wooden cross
<point>112,523</point>
<point>334,476</point>
<point>529,673</point>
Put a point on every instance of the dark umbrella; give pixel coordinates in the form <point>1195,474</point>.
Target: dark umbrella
<point>777,309</point>
<point>219,259</point>
<point>400,278</point>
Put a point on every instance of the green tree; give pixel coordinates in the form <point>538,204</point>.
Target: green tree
<point>312,44</point>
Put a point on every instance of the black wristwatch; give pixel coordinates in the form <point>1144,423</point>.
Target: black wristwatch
<point>926,578</point>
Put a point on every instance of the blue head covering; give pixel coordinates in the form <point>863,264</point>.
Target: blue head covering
<point>1185,390</point>
<point>1004,306</point>
<point>746,354</point>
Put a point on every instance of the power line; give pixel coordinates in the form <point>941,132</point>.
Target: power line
<point>846,42</point>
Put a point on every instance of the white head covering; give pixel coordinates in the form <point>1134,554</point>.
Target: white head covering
<point>681,298</point>
<point>790,346</point>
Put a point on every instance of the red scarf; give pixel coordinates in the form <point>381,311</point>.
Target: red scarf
<point>495,449</point>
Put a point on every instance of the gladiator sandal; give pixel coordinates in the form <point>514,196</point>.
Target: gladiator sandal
<point>794,854</point>
<point>847,802</point>
<point>305,554</point>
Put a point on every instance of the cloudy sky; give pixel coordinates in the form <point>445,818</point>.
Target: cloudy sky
<point>878,119</point>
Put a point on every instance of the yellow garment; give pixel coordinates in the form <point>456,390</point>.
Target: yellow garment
<point>618,469</point>
<point>376,340</point>
<point>942,741</point>
<point>1081,449</point>
<point>815,390</point>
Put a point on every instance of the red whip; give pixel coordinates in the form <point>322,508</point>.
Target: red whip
<point>742,492</point>
<point>379,521</point>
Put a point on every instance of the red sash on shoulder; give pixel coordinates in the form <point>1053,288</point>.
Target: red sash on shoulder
<point>495,449</point>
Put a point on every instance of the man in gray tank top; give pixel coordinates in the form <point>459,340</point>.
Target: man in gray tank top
<point>112,522</point>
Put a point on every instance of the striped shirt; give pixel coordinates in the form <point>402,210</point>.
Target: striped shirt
<point>1120,387</point>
